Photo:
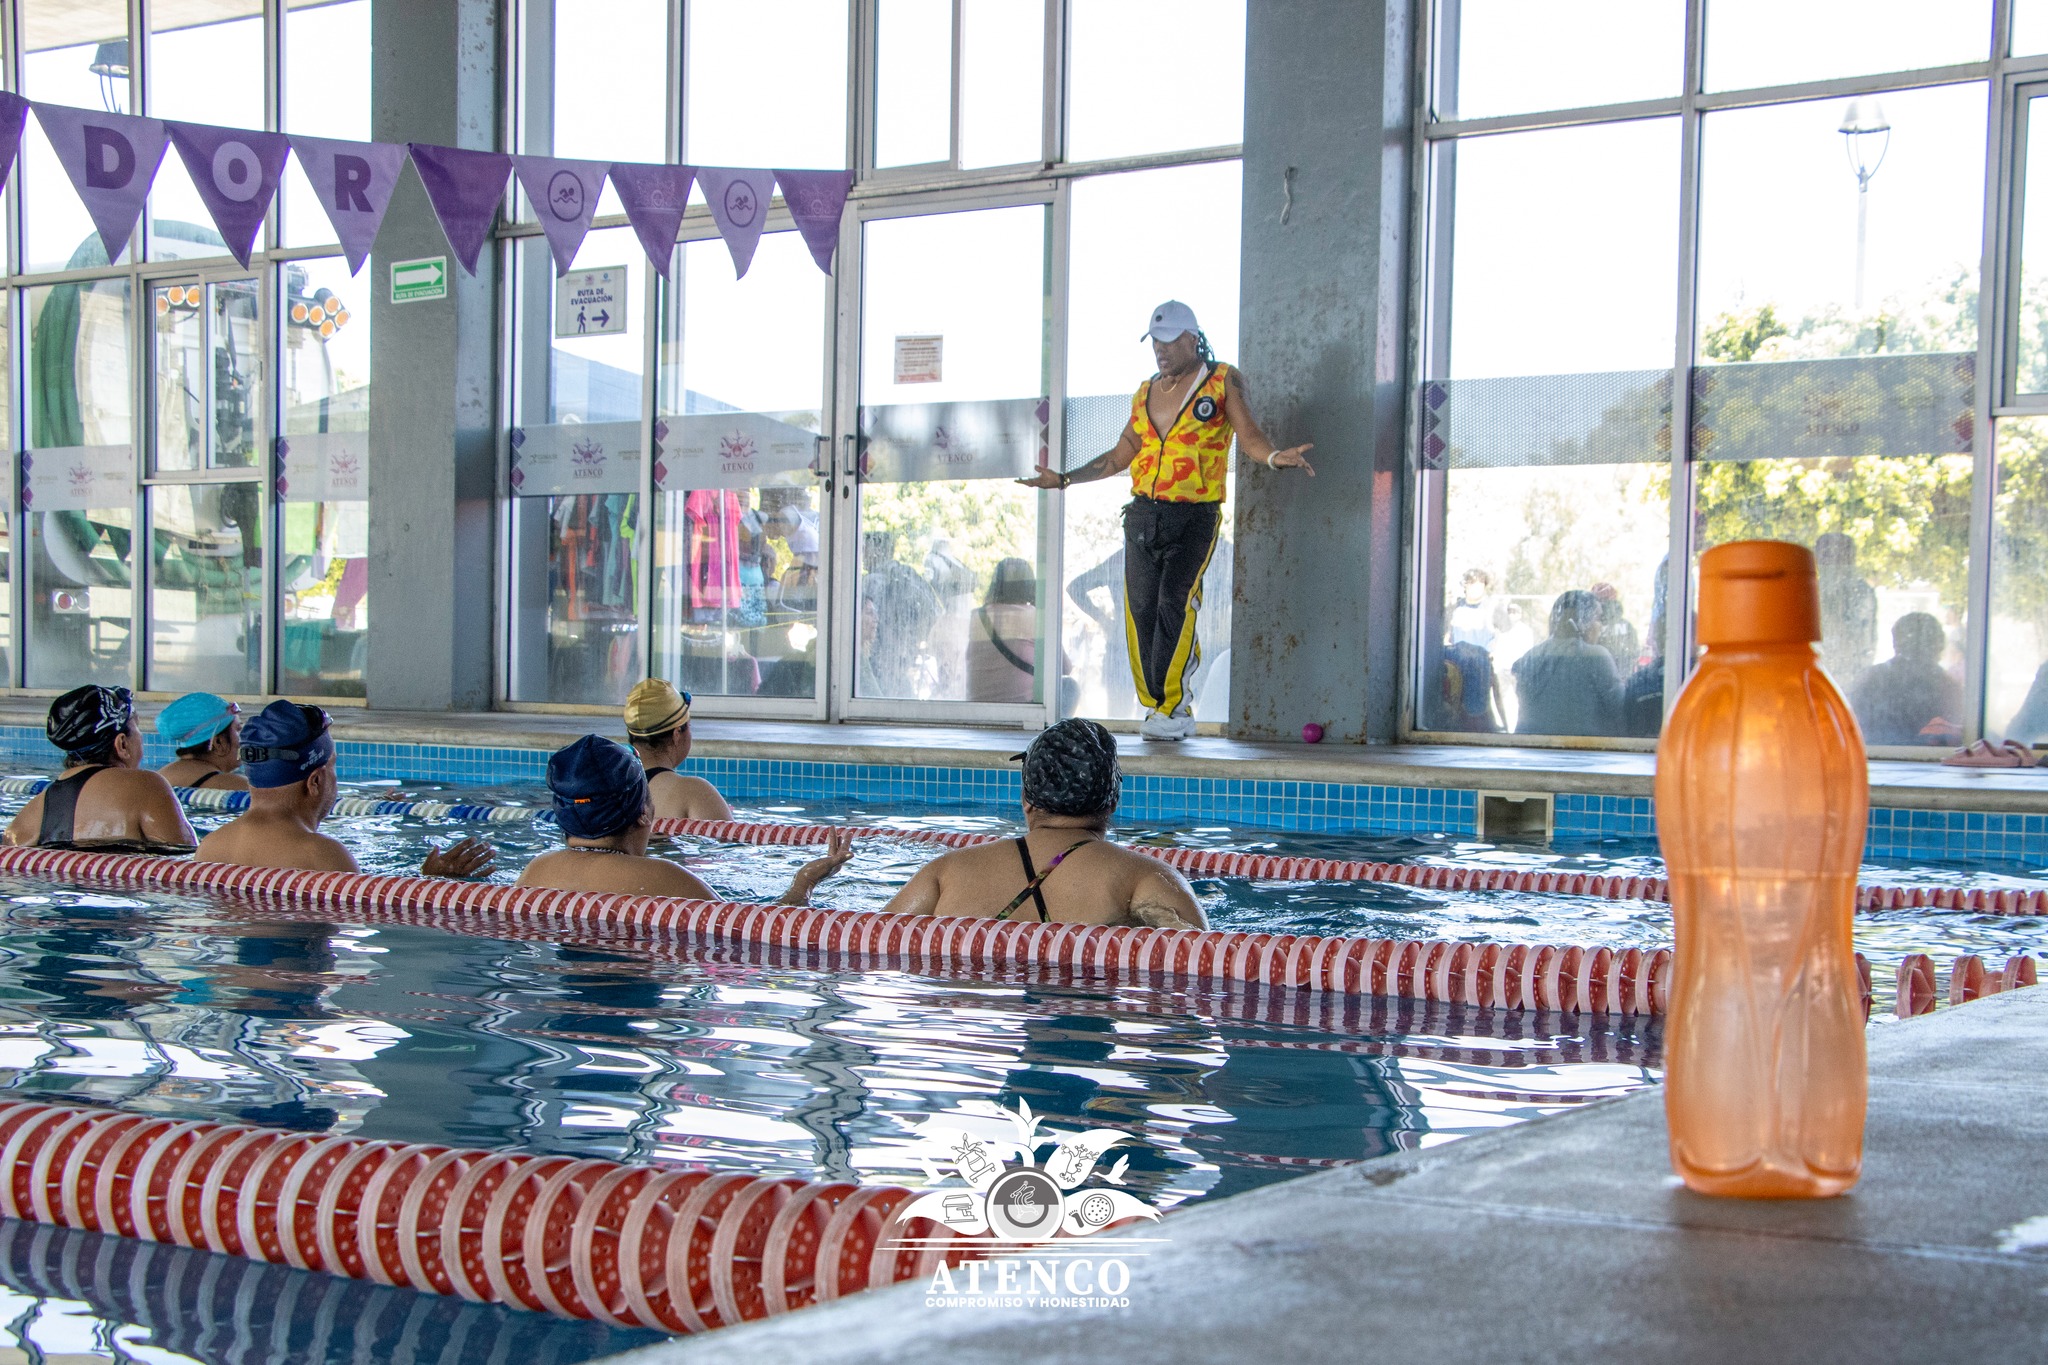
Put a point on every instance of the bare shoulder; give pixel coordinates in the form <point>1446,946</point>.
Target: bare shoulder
<point>27,822</point>
<point>1160,896</point>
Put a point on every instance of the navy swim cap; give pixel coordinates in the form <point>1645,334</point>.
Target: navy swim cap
<point>600,787</point>
<point>1071,769</point>
<point>89,716</point>
<point>284,743</point>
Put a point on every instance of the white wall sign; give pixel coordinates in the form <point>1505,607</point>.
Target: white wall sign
<point>591,303</point>
<point>731,450</point>
<point>76,478</point>
<point>575,457</point>
<point>920,359</point>
<point>324,466</point>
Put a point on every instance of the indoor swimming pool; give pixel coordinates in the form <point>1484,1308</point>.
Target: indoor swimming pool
<point>591,1044</point>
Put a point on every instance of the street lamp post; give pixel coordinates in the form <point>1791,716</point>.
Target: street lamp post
<point>1868,137</point>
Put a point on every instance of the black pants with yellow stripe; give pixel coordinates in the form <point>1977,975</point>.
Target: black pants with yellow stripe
<point>1166,550</point>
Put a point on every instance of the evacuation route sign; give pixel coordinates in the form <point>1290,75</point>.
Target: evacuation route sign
<point>412,281</point>
<point>591,303</point>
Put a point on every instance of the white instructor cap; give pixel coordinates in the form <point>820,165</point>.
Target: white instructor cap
<point>1170,319</point>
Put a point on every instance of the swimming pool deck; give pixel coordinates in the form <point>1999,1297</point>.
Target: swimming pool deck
<point>1565,1239</point>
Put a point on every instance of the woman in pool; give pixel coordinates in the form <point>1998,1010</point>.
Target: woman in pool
<point>104,800</point>
<point>206,731</point>
<point>602,805</point>
<point>1071,778</point>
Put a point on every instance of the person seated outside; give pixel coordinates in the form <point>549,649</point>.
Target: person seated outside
<point>602,805</point>
<point>1910,698</point>
<point>104,800</point>
<point>288,751</point>
<point>1071,781</point>
<point>658,726</point>
<point>207,733</point>
<point>1002,637</point>
<point>1568,684</point>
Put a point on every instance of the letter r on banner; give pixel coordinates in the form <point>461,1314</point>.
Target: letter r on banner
<point>352,184</point>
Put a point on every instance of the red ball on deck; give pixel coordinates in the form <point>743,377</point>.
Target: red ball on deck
<point>1311,733</point>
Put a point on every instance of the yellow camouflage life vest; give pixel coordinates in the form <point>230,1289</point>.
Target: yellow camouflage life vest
<point>1188,463</point>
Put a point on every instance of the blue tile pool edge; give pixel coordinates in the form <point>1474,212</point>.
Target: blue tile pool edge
<point>1277,805</point>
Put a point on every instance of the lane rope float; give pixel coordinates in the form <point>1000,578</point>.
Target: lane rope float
<point>678,1250</point>
<point>1571,978</point>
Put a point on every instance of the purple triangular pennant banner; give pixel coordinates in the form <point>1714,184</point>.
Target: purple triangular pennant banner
<point>354,182</point>
<point>816,199</point>
<point>654,197</point>
<point>111,159</point>
<point>13,115</point>
<point>465,188</point>
<point>564,195</point>
<point>236,171</point>
<point>739,205</point>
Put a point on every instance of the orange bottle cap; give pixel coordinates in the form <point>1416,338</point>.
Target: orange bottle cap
<point>1758,592</point>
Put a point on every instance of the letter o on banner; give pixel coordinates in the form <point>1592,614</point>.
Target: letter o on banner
<point>237,172</point>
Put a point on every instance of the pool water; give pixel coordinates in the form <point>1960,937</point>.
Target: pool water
<point>599,1046</point>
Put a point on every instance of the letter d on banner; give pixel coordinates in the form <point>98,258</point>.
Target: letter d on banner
<point>111,160</point>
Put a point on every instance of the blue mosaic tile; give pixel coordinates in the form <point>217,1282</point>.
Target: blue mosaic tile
<point>1892,833</point>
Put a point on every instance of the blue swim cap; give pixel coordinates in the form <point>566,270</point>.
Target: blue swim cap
<point>284,742</point>
<point>599,786</point>
<point>195,718</point>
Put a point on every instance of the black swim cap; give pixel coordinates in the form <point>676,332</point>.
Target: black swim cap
<point>87,717</point>
<point>1071,769</point>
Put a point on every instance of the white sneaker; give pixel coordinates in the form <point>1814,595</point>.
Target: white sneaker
<point>1156,726</point>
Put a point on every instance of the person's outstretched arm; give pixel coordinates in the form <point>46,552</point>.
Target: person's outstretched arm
<point>838,848</point>
<point>1107,465</point>
<point>1251,439</point>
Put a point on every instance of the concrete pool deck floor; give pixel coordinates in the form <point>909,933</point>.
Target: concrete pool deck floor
<point>1565,1239</point>
<point>1894,783</point>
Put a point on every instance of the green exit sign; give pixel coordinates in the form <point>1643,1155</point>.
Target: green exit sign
<point>412,281</point>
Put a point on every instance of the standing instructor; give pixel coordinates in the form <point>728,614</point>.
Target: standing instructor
<point>1177,447</point>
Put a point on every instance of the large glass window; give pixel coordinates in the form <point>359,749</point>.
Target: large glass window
<point>575,472</point>
<point>1520,56</point>
<point>1546,433</point>
<point>323,564</point>
<point>326,94</point>
<point>74,52</point>
<point>766,83</point>
<point>954,407</point>
<point>1752,43</point>
<point>739,530</point>
<point>1119,271</point>
<point>205,66</point>
<point>1834,403</point>
<point>596,83</point>
<point>1114,111</point>
<point>79,481</point>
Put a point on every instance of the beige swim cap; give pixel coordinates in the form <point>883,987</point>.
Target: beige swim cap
<point>654,707</point>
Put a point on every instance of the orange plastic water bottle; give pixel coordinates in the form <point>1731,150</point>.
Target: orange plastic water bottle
<point>1762,794</point>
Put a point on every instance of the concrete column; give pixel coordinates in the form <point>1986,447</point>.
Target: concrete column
<point>1323,340</point>
<point>433,456</point>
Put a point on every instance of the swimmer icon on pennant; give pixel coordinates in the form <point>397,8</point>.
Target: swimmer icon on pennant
<point>236,171</point>
<point>354,182</point>
<point>739,205</point>
<point>111,159</point>
<point>564,195</point>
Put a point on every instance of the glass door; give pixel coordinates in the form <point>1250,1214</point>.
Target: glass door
<point>205,504</point>
<point>741,477</point>
<point>945,559</point>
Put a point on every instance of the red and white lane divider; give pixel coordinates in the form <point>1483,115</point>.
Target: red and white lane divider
<point>637,1246</point>
<point>1968,979</point>
<point>1204,862</point>
<point>1501,975</point>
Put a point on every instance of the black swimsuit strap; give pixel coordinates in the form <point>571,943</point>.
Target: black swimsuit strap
<point>653,773</point>
<point>60,806</point>
<point>207,777</point>
<point>1033,879</point>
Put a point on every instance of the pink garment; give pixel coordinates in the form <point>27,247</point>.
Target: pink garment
<point>714,566</point>
<point>350,592</point>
